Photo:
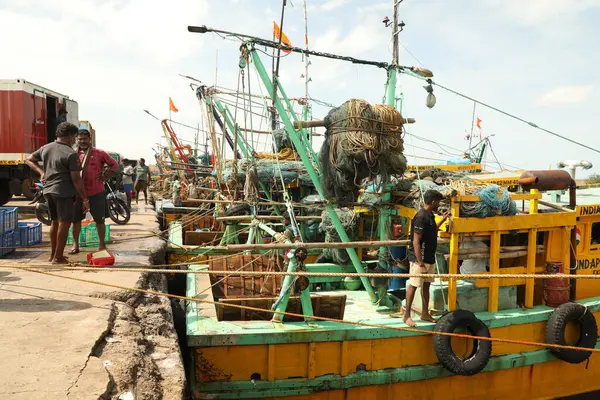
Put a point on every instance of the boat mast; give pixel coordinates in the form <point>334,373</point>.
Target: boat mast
<point>276,68</point>
<point>306,114</point>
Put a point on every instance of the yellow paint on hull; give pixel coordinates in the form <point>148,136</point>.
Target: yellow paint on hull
<point>541,381</point>
<point>303,360</point>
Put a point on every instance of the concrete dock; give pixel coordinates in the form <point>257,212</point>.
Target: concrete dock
<point>65,339</point>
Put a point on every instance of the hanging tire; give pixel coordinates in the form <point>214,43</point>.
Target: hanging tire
<point>482,349</point>
<point>588,331</point>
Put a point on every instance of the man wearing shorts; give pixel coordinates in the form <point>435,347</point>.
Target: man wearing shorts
<point>421,254</point>
<point>128,173</point>
<point>143,179</point>
<point>61,180</point>
<point>92,162</point>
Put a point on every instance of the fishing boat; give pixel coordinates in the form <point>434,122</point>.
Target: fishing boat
<point>276,310</point>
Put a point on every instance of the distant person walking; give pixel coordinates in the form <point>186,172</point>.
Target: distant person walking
<point>128,174</point>
<point>92,161</point>
<point>143,179</point>
<point>61,178</point>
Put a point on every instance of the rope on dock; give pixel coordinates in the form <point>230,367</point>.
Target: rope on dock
<point>133,268</point>
<point>357,323</point>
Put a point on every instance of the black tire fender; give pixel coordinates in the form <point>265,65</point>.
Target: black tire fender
<point>482,349</point>
<point>588,332</point>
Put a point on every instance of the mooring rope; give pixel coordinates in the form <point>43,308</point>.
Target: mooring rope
<point>135,268</point>
<point>318,318</point>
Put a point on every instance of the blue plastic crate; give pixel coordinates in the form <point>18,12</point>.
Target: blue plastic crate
<point>28,233</point>
<point>10,216</point>
<point>7,243</point>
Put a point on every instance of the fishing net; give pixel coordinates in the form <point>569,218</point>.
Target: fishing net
<point>408,192</point>
<point>361,141</point>
<point>282,139</point>
<point>494,201</point>
<point>269,171</point>
<point>348,218</point>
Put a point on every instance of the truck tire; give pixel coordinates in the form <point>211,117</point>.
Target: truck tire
<point>15,186</point>
<point>27,189</point>
<point>5,194</point>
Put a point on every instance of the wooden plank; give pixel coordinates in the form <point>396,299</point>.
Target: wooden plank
<point>531,256</point>
<point>331,306</point>
<point>201,238</point>
<point>205,309</point>
<point>512,223</point>
<point>494,269</point>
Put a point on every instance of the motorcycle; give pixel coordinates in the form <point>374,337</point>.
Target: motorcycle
<point>41,207</point>
<point>118,211</point>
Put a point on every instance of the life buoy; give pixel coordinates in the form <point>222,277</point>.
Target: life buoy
<point>588,331</point>
<point>482,349</point>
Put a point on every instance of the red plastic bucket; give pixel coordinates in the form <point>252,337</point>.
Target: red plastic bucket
<point>101,258</point>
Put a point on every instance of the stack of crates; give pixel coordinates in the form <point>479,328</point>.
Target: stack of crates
<point>28,233</point>
<point>8,224</point>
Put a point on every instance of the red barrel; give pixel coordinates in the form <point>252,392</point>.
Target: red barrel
<point>556,291</point>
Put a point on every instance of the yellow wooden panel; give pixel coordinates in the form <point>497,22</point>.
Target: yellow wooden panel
<point>391,353</point>
<point>327,358</point>
<point>535,382</point>
<point>291,360</point>
<point>359,352</point>
<point>233,362</point>
<point>505,223</point>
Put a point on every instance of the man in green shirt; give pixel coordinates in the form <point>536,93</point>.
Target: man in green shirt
<point>143,179</point>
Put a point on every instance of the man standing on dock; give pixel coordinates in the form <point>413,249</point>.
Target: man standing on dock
<point>61,180</point>
<point>421,254</point>
<point>92,162</point>
<point>143,179</point>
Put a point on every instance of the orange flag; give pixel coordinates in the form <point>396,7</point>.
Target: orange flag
<point>172,106</point>
<point>284,39</point>
<point>478,123</point>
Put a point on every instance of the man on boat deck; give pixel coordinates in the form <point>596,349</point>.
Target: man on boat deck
<point>423,238</point>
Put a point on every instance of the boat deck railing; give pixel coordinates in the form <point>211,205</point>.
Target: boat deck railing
<point>492,228</point>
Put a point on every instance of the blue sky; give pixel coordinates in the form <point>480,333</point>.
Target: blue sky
<point>533,58</point>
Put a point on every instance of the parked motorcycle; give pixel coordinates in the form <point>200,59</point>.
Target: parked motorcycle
<point>41,207</point>
<point>118,211</point>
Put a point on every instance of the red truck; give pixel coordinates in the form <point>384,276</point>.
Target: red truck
<point>28,120</point>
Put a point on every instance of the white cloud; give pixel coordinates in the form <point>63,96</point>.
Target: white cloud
<point>533,12</point>
<point>328,5</point>
<point>565,95</point>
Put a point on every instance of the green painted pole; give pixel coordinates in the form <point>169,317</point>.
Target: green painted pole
<point>312,172</point>
<point>291,111</point>
<point>288,281</point>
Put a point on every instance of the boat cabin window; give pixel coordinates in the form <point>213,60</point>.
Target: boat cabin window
<point>595,237</point>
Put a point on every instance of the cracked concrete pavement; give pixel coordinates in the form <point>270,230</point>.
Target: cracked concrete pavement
<point>63,339</point>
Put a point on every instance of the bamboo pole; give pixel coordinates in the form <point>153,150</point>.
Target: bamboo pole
<point>554,206</point>
<point>266,218</point>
